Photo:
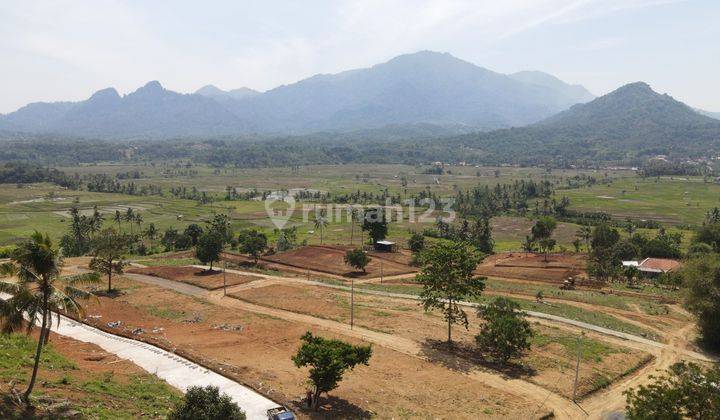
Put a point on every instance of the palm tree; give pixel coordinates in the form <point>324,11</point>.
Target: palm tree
<point>321,221</point>
<point>118,219</point>
<point>130,218</point>
<point>96,221</point>
<point>37,291</point>
<point>354,212</point>
<point>151,233</point>
<point>139,220</point>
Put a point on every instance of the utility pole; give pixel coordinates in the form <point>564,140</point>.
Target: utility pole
<point>352,302</point>
<point>577,368</point>
<point>224,279</point>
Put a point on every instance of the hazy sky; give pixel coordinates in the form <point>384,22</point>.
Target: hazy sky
<point>66,50</point>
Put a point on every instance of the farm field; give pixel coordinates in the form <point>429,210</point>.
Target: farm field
<point>196,276</point>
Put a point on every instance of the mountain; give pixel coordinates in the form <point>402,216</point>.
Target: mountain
<point>217,93</point>
<point>414,90</point>
<point>567,92</point>
<point>150,111</point>
<point>630,122</point>
<point>710,114</point>
<point>424,87</point>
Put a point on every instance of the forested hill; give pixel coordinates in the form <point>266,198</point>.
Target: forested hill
<point>632,121</point>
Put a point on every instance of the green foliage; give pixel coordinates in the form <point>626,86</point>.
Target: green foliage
<point>447,278</point>
<point>506,333</point>
<point>684,391</point>
<point>287,239</point>
<point>328,360</point>
<point>709,233</point>
<point>702,279</point>
<point>416,243</point>
<point>252,242</point>
<point>6,251</point>
<point>375,223</point>
<point>220,224</point>
<point>107,250</point>
<point>193,231</point>
<point>208,248</point>
<point>206,403</point>
<point>357,258</point>
<point>542,231</point>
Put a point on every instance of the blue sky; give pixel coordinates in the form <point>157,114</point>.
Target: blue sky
<point>66,50</point>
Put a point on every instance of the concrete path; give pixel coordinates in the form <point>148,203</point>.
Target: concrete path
<point>175,370</point>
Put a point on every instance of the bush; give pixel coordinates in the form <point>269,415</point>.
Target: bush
<point>6,251</point>
<point>206,403</point>
<point>506,333</point>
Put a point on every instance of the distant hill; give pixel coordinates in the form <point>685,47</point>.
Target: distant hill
<point>715,115</point>
<point>414,90</point>
<point>630,122</point>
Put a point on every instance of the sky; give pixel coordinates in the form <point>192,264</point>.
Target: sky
<point>66,50</point>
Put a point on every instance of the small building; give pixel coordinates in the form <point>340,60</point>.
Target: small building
<point>655,266</point>
<point>385,246</point>
<point>630,264</point>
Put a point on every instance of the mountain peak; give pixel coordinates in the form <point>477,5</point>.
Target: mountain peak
<point>105,94</point>
<point>152,86</point>
<point>210,90</point>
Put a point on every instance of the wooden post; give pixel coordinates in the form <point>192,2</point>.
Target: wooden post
<point>381,271</point>
<point>224,279</point>
<point>352,302</point>
<point>577,369</point>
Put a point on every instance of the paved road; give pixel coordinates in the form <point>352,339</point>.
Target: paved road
<point>175,370</point>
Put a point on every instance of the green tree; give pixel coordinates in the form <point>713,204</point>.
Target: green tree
<point>118,218</point>
<point>328,360</point>
<point>107,250</point>
<point>151,233</point>
<point>357,258</point>
<point>506,333</point>
<point>321,222</point>
<point>38,291</point>
<point>130,218</point>
<point>220,223</point>
<point>416,243</point>
<point>585,233</point>
<point>542,232</point>
<point>375,223</point>
<point>684,391</point>
<point>208,248</point>
<point>702,278</point>
<point>194,231</point>
<point>709,233</point>
<point>253,243</point>
<point>447,278</point>
<point>206,403</point>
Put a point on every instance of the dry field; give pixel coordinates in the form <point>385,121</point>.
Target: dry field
<point>526,266</point>
<point>195,276</point>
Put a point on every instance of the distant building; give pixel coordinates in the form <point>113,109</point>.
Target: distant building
<point>385,246</point>
<point>658,265</point>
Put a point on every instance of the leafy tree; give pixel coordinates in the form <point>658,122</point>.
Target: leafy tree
<point>206,403</point>
<point>193,231</point>
<point>287,239</point>
<point>357,258</point>
<point>375,223</point>
<point>625,250</point>
<point>416,243</point>
<point>107,250</point>
<point>684,391</point>
<point>220,224</point>
<point>702,278</point>
<point>602,261</point>
<point>585,233</point>
<point>183,241</point>
<point>252,242</point>
<point>38,291</point>
<point>208,248</point>
<point>603,236</point>
<point>151,233</point>
<point>447,278</point>
<point>529,244</point>
<point>709,233</point>
<point>481,235</point>
<point>328,360</point>
<point>506,333</point>
<point>542,232</point>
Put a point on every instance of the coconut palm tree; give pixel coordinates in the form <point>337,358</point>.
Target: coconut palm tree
<point>585,233</point>
<point>321,221</point>
<point>130,218</point>
<point>118,219</point>
<point>354,213</point>
<point>37,291</point>
<point>139,220</point>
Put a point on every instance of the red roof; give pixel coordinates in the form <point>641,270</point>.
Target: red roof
<point>659,265</point>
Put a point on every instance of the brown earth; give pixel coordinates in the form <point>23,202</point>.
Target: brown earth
<point>330,260</point>
<point>528,266</point>
<point>549,364</point>
<point>210,280</point>
<point>256,349</point>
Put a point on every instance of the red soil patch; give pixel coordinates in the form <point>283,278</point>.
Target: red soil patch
<point>527,266</point>
<point>195,276</point>
<point>330,260</point>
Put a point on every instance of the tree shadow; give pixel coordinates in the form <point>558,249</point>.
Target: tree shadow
<point>112,294</point>
<point>465,358</point>
<point>332,407</point>
<point>206,272</point>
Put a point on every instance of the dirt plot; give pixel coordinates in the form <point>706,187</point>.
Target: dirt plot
<point>196,276</point>
<point>330,260</point>
<point>550,363</point>
<point>528,266</point>
<point>256,350</point>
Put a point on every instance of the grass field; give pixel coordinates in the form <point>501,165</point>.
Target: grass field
<point>44,207</point>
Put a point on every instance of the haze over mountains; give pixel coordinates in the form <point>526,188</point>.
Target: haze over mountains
<point>422,88</point>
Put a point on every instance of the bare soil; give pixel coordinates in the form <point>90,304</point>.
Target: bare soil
<point>256,350</point>
<point>528,266</point>
<point>210,280</point>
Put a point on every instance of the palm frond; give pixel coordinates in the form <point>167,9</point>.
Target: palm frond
<point>82,279</point>
<point>8,269</point>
